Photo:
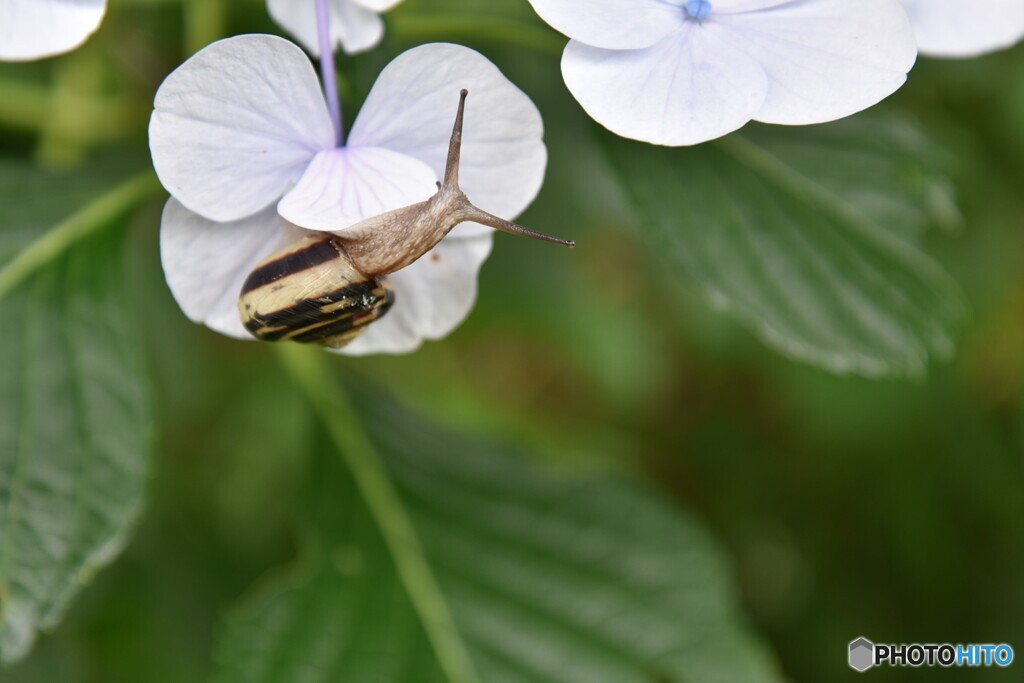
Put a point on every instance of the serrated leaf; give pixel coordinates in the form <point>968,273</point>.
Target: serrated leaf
<point>35,200</point>
<point>74,408</point>
<point>884,166</point>
<point>552,575</point>
<point>340,615</point>
<point>805,235</point>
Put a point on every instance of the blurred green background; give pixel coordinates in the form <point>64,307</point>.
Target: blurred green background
<point>889,507</point>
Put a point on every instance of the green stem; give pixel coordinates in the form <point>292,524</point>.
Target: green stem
<point>493,29</point>
<point>204,23</point>
<point>29,106</point>
<point>77,226</point>
<point>25,104</point>
<point>311,371</point>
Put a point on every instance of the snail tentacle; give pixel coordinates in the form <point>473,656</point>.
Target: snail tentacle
<point>393,240</point>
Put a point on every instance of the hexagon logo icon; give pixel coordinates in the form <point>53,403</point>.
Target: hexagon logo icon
<point>862,654</point>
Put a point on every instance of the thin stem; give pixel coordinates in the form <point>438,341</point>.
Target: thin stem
<point>323,25</point>
<point>311,372</point>
<point>28,105</point>
<point>77,226</point>
<point>204,23</point>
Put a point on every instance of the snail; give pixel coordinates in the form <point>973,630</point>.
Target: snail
<point>327,288</point>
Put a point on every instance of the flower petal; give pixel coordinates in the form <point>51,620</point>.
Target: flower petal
<point>378,5</point>
<point>236,123</point>
<point>825,59</point>
<point>411,109</point>
<point>612,24</point>
<point>205,263</point>
<point>343,186</point>
<point>359,28</point>
<point>693,86</point>
<point>953,28</point>
<point>432,297</point>
<point>31,29</point>
<point>723,7</point>
<point>299,19</point>
<point>354,25</point>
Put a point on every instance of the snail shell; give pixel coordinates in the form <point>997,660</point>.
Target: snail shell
<point>310,292</point>
<point>327,288</point>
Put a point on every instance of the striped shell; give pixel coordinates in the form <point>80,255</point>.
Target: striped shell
<point>310,292</point>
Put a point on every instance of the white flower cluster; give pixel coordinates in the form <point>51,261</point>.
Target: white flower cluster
<point>681,72</point>
<point>242,139</point>
<point>252,155</point>
<point>355,25</point>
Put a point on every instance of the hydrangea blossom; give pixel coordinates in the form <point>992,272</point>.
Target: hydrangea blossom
<point>952,28</point>
<point>32,29</point>
<point>242,139</point>
<point>680,72</point>
<point>354,24</point>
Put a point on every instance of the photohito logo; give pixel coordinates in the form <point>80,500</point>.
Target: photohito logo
<point>864,654</point>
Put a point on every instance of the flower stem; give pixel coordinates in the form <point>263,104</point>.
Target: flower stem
<point>323,25</point>
<point>204,23</point>
<point>28,105</point>
<point>311,372</point>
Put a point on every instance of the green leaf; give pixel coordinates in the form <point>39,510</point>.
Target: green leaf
<point>75,425</point>
<point>550,574</point>
<point>881,165</point>
<point>805,235</point>
<point>339,615</point>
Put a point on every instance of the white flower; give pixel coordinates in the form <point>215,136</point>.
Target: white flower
<point>242,126</point>
<point>954,28</point>
<point>355,24</point>
<point>680,72</point>
<point>31,29</point>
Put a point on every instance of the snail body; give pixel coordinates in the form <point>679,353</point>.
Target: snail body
<point>327,288</point>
